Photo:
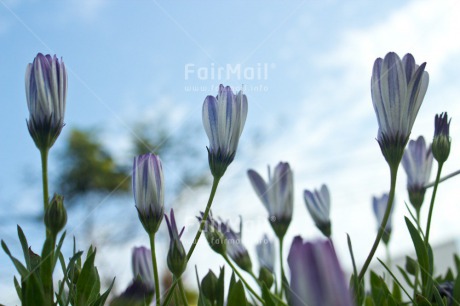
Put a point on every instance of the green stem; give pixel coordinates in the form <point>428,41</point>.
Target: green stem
<point>243,280</point>
<point>170,292</point>
<point>215,183</point>
<point>433,196</point>
<point>44,158</point>
<point>254,277</point>
<point>182,291</point>
<point>283,277</point>
<point>443,179</point>
<point>393,174</point>
<point>155,269</point>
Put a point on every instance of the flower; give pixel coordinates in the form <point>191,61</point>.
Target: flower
<point>276,195</point>
<point>316,275</point>
<point>380,205</point>
<point>417,161</point>
<point>398,88</point>
<point>142,266</point>
<point>148,189</point>
<point>441,140</point>
<point>213,234</point>
<point>223,119</point>
<point>319,204</point>
<point>266,253</point>
<point>46,90</point>
<point>177,257</point>
<point>235,248</point>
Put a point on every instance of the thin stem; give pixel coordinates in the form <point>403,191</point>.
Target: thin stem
<point>215,183</point>
<point>182,291</point>
<point>243,280</point>
<point>433,196</point>
<point>443,179</point>
<point>283,277</point>
<point>44,159</point>
<point>170,292</point>
<point>155,269</point>
<point>393,174</point>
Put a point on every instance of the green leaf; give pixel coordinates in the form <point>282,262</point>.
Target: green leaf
<point>33,292</point>
<point>236,295</point>
<point>267,296</point>
<point>87,283</point>
<point>220,288</point>
<point>406,276</point>
<point>101,300</point>
<point>456,289</point>
<point>58,250</point>
<point>18,288</point>
<point>358,288</point>
<point>46,266</point>
<point>438,298</point>
<point>25,247</point>
<point>19,266</point>
<point>202,301</point>
<point>396,285</point>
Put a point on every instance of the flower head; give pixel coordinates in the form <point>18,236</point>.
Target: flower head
<point>417,161</point>
<point>316,275</point>
<point>46,90</point>
<point>177,257</point>
<point>398,88</point>
<point>266,253</point>
<point>318,204</point>
<point>235,248</point>
<point>441,140</point>
<point>142,266</point>
<point>148,189</point>
<point>214,234</point>
<point>276,195</point>
<point>223,119</point>
<point>380,205</point>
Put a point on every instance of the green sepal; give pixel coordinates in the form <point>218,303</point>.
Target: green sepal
<point>220,289</point>
<point>236,295</point>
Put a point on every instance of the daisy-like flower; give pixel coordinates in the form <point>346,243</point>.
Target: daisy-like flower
<point>276,195</point>
<point>380,205</point>
<point>148,189</point>
<point>318,204</point>
<point>177,257</point>
<point>46,91</point>
<point>398,88</point>
<point>441,140</point>
<point>223,120</point>
<point>316,275</point>
<point>266,253</point>
<point>417,161</point>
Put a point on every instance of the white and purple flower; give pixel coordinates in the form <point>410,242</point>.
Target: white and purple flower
<point>398,88</point>
<point>148,189</point>
<point>319,204</point>
<point>277,195</point>
<point>266,253</point>
<point>142,266</point>
<point>316,275</point>
<point>46,91</point>
<point>417,162</point>
<point>224,117</point>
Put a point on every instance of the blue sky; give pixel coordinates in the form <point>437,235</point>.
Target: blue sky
<point>127,59</point>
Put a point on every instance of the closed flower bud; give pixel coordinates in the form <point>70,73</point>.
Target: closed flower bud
<point>319,204</point>
<point>224,117</point>
<point>441,140</point>
<point>142,267</point>
<point>46,90</point>
<point>235,248</point>
<point>266,277</point>
<point>380,205</point>
<point>214,236</point>
<point>177,257</point>
<point>266,253</point>
<point>209,286</point>
<point>398,88</point>
<point>277,196</point>
<point>148,189</point>
<point>56,215</point>
<point>417,162</point>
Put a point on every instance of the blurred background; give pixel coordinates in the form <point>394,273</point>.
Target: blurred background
<point>138,72</point>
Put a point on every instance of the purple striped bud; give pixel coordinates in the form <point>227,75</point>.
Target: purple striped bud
<point>380,205</point>
<point>46,90</point>
<point>223,119</point>
<point>142,266</point>
<point>177,257</point>
<point>441,140</point>
<point>319,204</point>
<point>148,189</point>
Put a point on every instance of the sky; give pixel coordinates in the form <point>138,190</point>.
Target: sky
<point>305,67</point>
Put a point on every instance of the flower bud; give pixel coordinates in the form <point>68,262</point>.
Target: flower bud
<point>441,140</point>
<point>177,257</point>
<point>266,277</point>
<point>209,286</point>
<point>380,205</point>
<point>216,239</point>
<point>46,89</point>
<point>318,204</point>
<point>56,215</point>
